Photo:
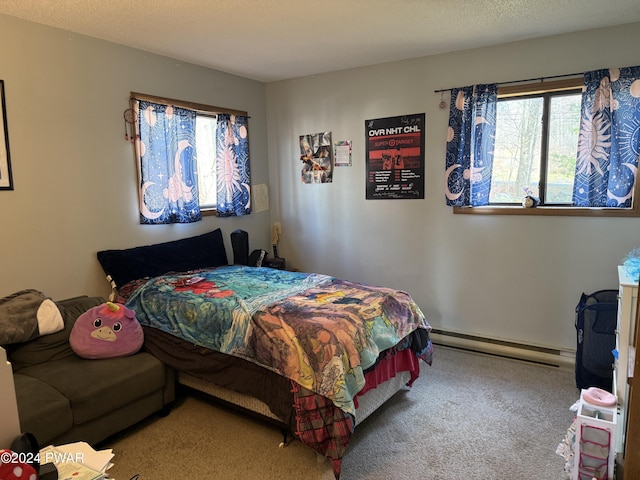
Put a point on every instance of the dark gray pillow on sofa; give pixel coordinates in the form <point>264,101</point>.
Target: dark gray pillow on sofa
<point>28,314</point>
<point>56,345</point>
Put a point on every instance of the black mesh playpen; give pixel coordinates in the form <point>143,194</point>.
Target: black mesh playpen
<point>596,320</point>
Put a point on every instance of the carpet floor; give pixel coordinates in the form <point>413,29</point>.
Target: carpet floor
<point>469,416</point>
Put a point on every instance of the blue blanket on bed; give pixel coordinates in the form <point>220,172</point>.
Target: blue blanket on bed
<point>317,330</point>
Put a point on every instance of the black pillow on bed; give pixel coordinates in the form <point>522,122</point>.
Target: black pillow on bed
<point>191,253</point>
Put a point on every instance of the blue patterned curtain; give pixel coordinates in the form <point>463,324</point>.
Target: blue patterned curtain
<point>168,183</point>
<point>232,166</point>
<point>609,141</point>
<point>470,145</point>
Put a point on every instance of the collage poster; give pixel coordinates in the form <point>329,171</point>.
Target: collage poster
<point>316,156</point>
<point>395,157</point>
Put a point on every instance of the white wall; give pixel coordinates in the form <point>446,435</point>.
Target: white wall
<point>74,174</point>
<point>508,277</point>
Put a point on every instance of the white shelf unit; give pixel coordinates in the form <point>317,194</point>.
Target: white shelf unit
<point>9,421</point>
<point>595,456</point>
<point>627,303</point>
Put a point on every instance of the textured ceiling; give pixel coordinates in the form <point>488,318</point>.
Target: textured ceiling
<point>271,40</point>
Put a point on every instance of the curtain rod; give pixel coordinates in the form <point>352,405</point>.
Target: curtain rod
<point>188,105</point>
<point>542,79</point>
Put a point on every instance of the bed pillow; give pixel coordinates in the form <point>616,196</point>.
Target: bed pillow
<point>202,251</point>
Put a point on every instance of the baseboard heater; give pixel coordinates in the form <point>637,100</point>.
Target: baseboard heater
<point>518,351</point>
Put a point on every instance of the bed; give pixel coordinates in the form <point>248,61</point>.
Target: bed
<point>310,352</point>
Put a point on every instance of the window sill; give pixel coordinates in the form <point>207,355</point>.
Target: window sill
<point>208,212</point>
<point>549,211</point>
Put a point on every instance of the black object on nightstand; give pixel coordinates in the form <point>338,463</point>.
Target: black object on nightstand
<point>275,262</point>
<point>240,245</point>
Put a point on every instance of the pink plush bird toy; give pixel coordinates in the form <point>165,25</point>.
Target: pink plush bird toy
<point>106,331</point>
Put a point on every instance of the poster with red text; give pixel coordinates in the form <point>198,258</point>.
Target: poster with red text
<point>395,157</point>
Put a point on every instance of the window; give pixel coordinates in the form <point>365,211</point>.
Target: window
<point>192,158</point>
<point>206,126</point>
<point>536,141</point>
<point>572,143</point>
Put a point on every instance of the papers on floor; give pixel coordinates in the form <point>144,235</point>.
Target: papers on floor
<point>78,461</point>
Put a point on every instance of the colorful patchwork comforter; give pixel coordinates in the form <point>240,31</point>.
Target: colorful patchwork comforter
<point>320,332</point>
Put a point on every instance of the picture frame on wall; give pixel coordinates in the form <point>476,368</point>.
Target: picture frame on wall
<point>6,179</point>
